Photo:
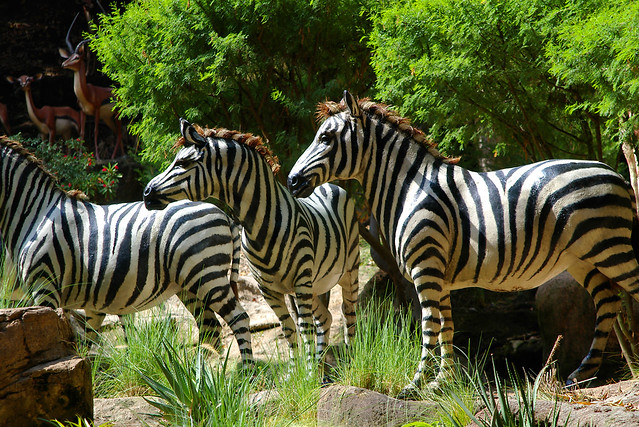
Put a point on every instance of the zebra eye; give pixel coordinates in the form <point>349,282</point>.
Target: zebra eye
<point>183,163</point>
<point>325,139</point>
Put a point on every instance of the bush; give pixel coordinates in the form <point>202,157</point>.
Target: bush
<point>258,66</point>
<point>74,168</point>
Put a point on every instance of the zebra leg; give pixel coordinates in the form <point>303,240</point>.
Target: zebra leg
<point>323,320</point>
<point>429,291</point>
<point>238,320</point>
<point>233,314</point>
<point>350,288</point>
<point>208,325</point>
<point>607,305</point>
<point>276,301</point>
<point>87,325</point>
<point>445,338</point>
<point>304,299</point>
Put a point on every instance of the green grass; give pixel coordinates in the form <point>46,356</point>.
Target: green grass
<point>192,392</point>
<point>119,365</point>
<point>8,281</point>
<point>384,353</point>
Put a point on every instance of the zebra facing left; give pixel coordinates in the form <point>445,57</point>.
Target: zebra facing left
<point>294,247</point>
<point>120,258</point>
<point>450,228</point>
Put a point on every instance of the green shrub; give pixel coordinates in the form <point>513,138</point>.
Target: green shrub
<point>193,393</point>
<point>74,168</point>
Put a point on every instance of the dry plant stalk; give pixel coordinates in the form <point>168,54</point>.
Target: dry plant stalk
<point>549,384</point>
<point>625,325</point>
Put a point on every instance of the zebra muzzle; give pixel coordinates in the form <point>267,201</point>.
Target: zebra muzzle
<point>152,199</point>
<point>299,186</point>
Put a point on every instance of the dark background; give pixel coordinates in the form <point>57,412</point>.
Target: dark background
<point>31,32</point>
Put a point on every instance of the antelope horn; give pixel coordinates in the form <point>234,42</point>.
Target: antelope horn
<point>69,45</point>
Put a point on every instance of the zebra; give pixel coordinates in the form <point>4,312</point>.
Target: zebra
<point>119,258</point>
<point>450,228</point>
<point>300,247</point>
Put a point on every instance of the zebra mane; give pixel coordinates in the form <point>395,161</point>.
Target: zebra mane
<point>386,114</point>
<point>17,148</point>
<point>248,139</point>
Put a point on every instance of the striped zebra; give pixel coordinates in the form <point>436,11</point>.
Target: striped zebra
<point>301,247</point>
<point>450,228</point>
<point>116,259</point>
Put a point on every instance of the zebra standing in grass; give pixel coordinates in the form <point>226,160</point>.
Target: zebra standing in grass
<point>450,228</point>
<point>120,258</point>
<point>300,247</point>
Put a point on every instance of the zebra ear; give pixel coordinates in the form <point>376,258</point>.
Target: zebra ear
<point>351,104</point>
<point>190,134</point>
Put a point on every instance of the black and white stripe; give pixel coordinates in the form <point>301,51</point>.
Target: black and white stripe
<point>300,247</point>
<point>117,259</point>
<point>451,228</point>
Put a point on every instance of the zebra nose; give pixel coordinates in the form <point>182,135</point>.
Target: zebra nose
<point>293,182</point>
<point>148,191</point>
<point>298,185</point>
<point>151,199</point>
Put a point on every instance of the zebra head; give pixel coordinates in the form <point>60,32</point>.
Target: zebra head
<point>187,177</point>
<point>334,152</point>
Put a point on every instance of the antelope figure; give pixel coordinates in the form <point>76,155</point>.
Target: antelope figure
<point>49,120</point>
<point>94,100</point>
<point>4,118</point>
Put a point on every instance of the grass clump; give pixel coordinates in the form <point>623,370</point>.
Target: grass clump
<point>192,392</point>
<point>508,403</point>
<point>298,388</point>
<point>119,363</point>
<point>196,394</point>
<point>384,352</point>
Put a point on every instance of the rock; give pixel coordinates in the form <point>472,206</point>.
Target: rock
<point>574,415</point>
<point>126,412</point>
<point>353,406</point>
<point>565,308</point>
<point>41,375</point>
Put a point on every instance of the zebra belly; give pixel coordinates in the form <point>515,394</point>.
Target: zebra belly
<point>121,305</point>
<point>326,283</point>
<point>516,281</point>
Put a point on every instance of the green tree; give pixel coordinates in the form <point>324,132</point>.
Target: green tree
<point>596,53</point>
<point>478,69</point>
<point>257,66</point>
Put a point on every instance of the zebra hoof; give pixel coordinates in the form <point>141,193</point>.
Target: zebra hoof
<point>326,381</point>
<point>410,392</point>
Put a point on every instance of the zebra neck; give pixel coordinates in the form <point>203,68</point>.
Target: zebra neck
<point>27,194</point>
<point>396,165</point>
<point>259,201</point>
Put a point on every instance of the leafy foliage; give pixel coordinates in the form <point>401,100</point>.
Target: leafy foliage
<point>75,168</point>
<point>597,47</point>
<point>525,80</point>
<point>478,71</point>
<point>257,66</point>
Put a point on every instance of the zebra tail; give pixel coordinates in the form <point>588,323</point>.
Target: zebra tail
<point>235,262</point>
